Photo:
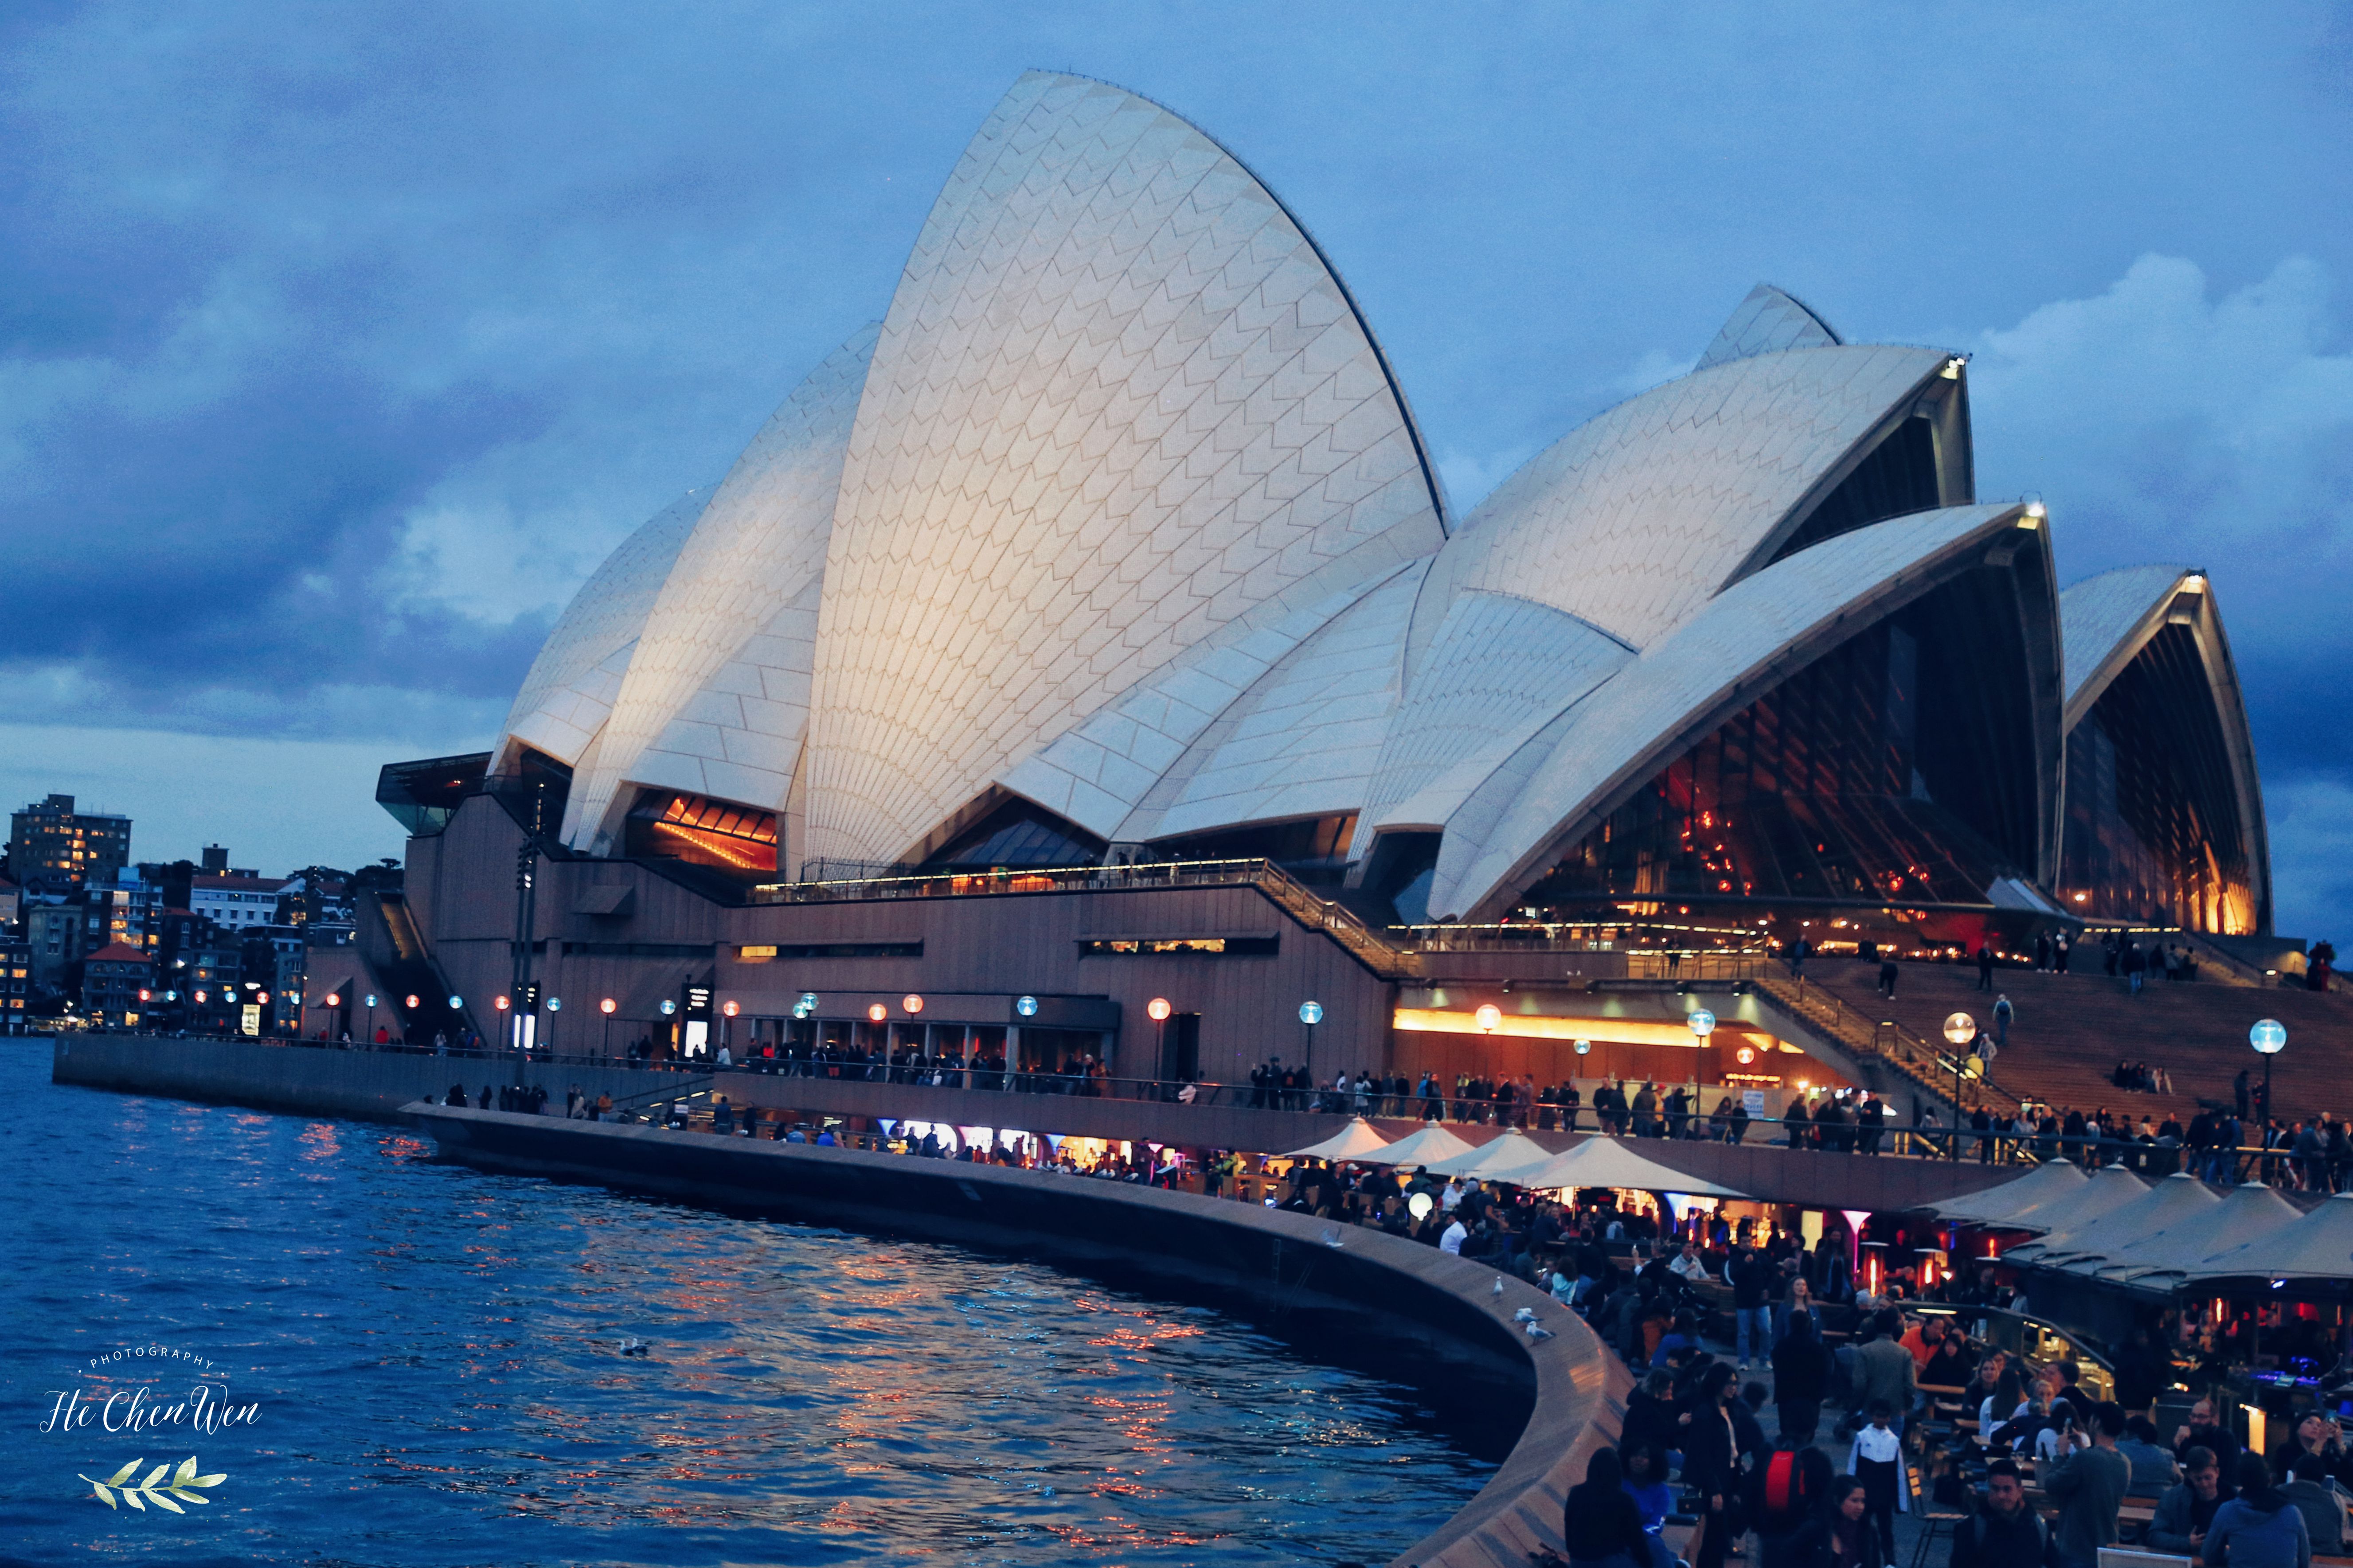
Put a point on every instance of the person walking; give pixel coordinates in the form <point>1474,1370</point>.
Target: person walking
<point>1752,1280</point>
<point>1985,965</point>
<point>1711,1468</point>
<point>1887,978</point>
<point>2002,1015</point>
<point>1801,1376</point>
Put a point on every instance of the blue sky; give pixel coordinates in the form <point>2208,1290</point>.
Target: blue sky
<point>338,343</point>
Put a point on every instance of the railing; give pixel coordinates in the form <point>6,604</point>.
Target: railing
<point>2226,1165</point>
<point>1301,902</point>
<point>1694,965</point>
<point>1918,1061</point>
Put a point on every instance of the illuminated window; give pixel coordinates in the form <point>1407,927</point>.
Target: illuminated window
<point>756,953</point>
<point>702,832</point>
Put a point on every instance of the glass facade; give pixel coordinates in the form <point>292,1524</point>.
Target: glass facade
<point>2153,830</point>
<point>1897,767</point>
<point>702,832</point>
<point>1899,476</point>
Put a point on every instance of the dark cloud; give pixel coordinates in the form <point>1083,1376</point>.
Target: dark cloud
<point>336,343</point>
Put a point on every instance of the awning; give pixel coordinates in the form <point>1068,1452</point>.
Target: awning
<point>2112,1234</point>
<point>1352,1142</point>
<point>2108,1189</point>
<point>2155,1262</point>
<point>2317,1246</point>
<point>1993,1206</point>
<point>1432,1143</point>
<point>1604,1161</point>
<point>1508,1150</point>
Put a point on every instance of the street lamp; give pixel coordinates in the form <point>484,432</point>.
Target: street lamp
<point>1703,1024</point>
<point>1959,1030</point>
<point>555,1006</point>
<point>1488,1017</point>
<point>1311,1014</point>
<point>606,1007</point>
<point>2269,1036</point>
<point>1157,1010</point>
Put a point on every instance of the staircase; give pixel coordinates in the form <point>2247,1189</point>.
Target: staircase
<point>2071,1030</point>
<point>1869,1035</point>
<point>389,941</point>
<point>1335,919</point>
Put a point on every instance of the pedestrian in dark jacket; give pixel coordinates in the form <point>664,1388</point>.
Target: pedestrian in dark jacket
<point>1600,1523</point>
<point>2003,1533</point>
<point>1842,1535</point>
<point>1801,1375</point>
<point>1711,1465</point>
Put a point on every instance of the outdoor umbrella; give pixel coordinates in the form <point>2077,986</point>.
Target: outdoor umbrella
<point>2112,1234</point>
<point>1506,1150</point>
<point>2109,1193</point>
<point>2155,1262</point>
<point>2317,1246</point>
<point>1352,1142</point>
<point>1991,1206</point>
<point>1432,1143</point>
<point>1607,1163</point>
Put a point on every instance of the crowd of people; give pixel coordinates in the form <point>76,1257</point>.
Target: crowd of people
<point>1695,1418</point>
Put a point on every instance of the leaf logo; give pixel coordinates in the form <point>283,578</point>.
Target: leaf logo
<point>184,1484</point>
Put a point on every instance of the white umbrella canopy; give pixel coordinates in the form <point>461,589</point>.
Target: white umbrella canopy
<point>1354,1141</point>
<point>1508,1150</point>
<point>1600,1162</point>
<point>1993,1204</point>
<point>2317,1246</point>
<point>2112,1234</point>
<point>2247,1211</point>
<point>2109,1188</point>
<point>1432,1143</point>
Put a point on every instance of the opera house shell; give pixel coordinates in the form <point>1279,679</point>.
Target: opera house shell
<point>1115,541</point>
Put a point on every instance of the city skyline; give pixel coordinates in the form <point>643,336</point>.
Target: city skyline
<point>2144,305</point>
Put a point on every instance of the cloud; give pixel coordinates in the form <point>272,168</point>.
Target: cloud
<point>2164,421</point>
<point>2311,821</point>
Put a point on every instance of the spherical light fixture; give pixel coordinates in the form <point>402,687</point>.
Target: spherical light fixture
<point>369,1000</point>
<point>1960,1028</point>
<point>669,1007</point>
<point>555,1004</point>
<point>729,1008</point>
<point>911,1003</point>
<point>1703,1024</point>
<point>1744,1055</point>
<point>502,1004</point>
<point>877,1013</point>
<point>334,999</point>
<point>1490,1017</point>
<point>1157,1009</point>
<point>2269,1035</point>
<point>1585,1048</point>
<point>457,1002</point>
<point>607,1006</point>
<point>1311,1013</point>
<point>1025,1005</point>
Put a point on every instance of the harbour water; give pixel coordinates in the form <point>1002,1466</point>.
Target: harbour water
<point>434,1358</point>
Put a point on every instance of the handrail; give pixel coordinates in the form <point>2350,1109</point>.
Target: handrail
<point>1925,1067</point>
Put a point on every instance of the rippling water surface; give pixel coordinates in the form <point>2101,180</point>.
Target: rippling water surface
<point>435,1355</point>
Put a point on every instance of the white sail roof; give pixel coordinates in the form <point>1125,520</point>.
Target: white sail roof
<point>1119,402</point>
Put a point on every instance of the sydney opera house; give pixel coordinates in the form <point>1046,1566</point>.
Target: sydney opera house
<point>1095,630</point>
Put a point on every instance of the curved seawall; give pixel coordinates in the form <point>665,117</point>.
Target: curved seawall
<point>1343,1291</point>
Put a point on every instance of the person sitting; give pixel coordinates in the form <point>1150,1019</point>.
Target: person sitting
<point>2003,1533</point>
<point>2259,1528</point>
<point>2153,1466</point>
<point>2185,1510</point>
<point>2316,1495</point>
<point>1643,1469</point>
<point>1599,1523</point>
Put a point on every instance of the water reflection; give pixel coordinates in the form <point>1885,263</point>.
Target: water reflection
<point>437,1351</point>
